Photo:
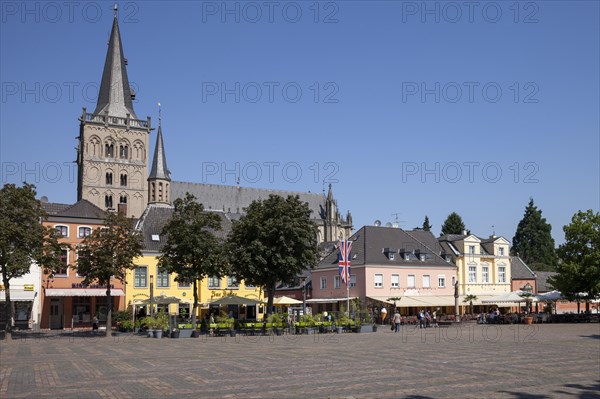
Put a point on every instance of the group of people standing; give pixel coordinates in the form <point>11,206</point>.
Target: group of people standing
<point>424,317</point>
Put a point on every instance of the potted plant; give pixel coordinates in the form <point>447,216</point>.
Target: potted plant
<point>528,319</point>
<point>150,324</point>
<point>276,322</point>
<point>342,322</point>
<point>127,325</point>
<point>162,324</point>
<point>309,323</point>
<point>175,333</point>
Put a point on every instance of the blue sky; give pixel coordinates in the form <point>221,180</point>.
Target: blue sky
<point>404,108</point>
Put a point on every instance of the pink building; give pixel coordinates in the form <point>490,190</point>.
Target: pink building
<point>388,263</point>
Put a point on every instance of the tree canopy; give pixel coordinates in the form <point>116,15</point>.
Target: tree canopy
<point>107,254</point>
<point>192,250</point>
<point>426,225</point>
<point>533,240</point>
<point>23,238</point>
<point>579,272</point>
<point>453,224</point>
<point>273,242</point>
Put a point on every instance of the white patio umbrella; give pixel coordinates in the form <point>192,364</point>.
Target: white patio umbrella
<point>286,300</point>
<point>551,296</point>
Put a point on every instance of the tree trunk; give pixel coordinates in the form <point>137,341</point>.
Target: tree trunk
<point>587,306</point>
<point>270,290</point>
<point>109,311</point>
<point>8,305</point>
<point>195,309</point>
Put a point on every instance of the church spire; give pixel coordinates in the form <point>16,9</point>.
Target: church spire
<point>159,163</point>
<point>115,95</point>
<point>160,177</point>
<point>330,193</point>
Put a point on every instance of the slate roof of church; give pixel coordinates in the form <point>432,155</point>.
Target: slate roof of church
<point>233,199</point>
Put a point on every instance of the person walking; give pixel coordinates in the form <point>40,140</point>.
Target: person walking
<point>397,320</point>
<point>95,325</point>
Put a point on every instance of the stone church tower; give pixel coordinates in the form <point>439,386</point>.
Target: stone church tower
<point>113,143</point>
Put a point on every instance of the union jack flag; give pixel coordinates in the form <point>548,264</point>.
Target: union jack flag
<point>345,247</point>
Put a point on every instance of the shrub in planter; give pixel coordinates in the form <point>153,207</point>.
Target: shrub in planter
<point>127,325</point>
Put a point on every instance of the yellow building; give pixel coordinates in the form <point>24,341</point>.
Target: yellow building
<point>146,275</point>
<point>214,288</point>
<point>483,265</point>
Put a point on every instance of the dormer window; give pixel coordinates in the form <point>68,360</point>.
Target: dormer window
<point>389,253</point>
<point>501,251</point>
<point>407,256</point>
<point>155,237</point>
<point>422,257</point>
<point>472,249</point>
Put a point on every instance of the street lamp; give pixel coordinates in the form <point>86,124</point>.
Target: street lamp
<point>456,316</point>
<point>151,296</point>
<point>303,294</point>
<point>528,290</point>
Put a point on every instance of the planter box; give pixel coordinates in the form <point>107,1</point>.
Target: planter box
<point>174,334</point>
<point>150,333</point>
<point>185,332</point>
<point>366,329</point>
<point>158,334</point>
<point>340,330</point>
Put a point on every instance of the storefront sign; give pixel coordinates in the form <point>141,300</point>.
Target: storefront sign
<point>28,287</point>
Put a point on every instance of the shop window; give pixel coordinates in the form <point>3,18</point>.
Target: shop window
<point>82,309</point>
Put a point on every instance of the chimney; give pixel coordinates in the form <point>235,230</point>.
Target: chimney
<point>122,209</point>
<point>464,232</point>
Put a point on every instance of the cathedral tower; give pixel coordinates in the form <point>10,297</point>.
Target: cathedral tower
<point>113,143</point>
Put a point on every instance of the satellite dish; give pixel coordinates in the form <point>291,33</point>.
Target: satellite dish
<point>388,224</point>
<point>377,223</point>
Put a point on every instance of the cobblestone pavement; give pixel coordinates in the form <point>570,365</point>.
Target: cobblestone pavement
<point>471,361</point>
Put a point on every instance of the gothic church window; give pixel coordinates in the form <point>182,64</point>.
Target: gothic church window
<point>108,201</point>
<point>109,178</point>
<point>153,192</point>
<point>123,180</point>
<point>123,199</point>
<point>124,151</point>
<point>109,150</point>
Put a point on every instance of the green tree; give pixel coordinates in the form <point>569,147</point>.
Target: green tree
<point>469,299</point>
<point>192,250</point>
<point>23,239</point>
<point>107,254</point>
<point>533,240</point>
<point>453,224</point>
<point>273,242</point>
<point>426,225</point>
<point>578,275</point>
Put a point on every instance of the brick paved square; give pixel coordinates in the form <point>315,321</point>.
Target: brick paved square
<point>471,361</point>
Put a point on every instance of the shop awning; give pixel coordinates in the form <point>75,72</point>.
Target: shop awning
<point>18,295</point>
<point>328,300</point>
<point>82,292</point>
<point>418,300</point>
